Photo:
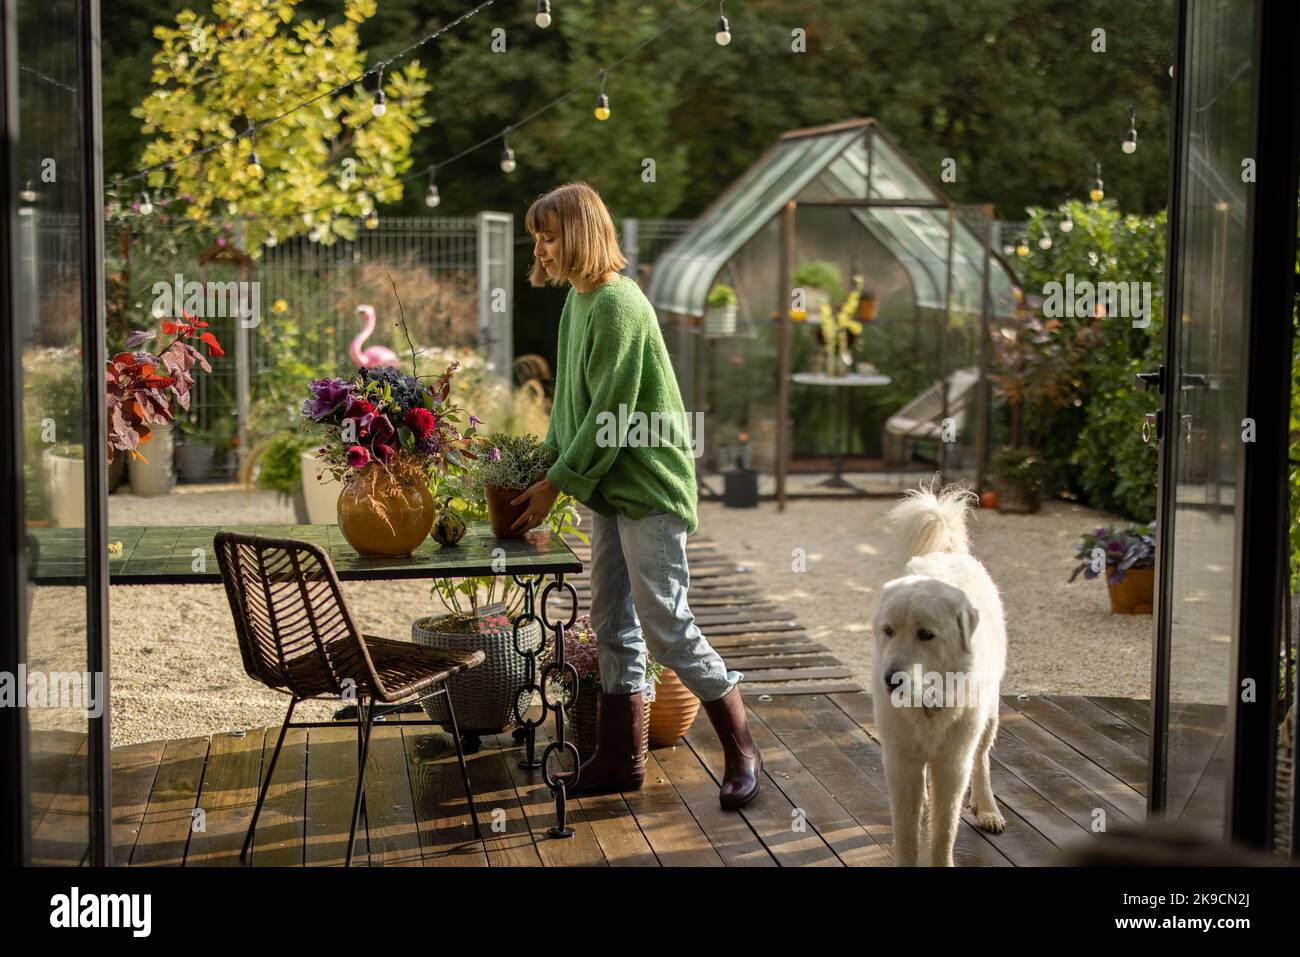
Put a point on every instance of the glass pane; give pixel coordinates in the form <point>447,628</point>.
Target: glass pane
<point>1204,436</point>
<point>47,158</point>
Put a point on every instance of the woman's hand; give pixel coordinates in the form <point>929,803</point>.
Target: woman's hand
<point>541,495</point>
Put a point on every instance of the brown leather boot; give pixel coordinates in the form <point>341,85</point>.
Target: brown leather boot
<point>744,765</point>
<point>618,763</point>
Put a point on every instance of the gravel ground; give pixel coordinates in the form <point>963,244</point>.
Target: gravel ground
<point>1063,639</point>
<point>176,669</point>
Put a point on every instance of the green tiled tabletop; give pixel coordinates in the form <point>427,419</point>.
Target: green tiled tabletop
<point>184,555</point>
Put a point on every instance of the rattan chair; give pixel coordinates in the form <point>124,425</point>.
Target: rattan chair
<point>297,637</point>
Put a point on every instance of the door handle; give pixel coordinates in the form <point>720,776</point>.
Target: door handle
<point>1152,422</point>
<point>1149,379</point>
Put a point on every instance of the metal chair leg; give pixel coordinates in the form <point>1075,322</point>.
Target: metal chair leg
<point>361,779</point>
<point>460,756</point>
<point>266,784</point>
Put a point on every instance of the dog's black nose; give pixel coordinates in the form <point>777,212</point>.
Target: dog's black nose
<point>893,678</point>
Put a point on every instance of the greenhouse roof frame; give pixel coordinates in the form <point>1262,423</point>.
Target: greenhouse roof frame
<point>857,165</point>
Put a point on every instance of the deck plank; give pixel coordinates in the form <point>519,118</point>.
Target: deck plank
<point>1082,737</point>
<point>441,811</point>
<point>227,798</point>
<point>1136,712</point>
<point>165,830</point>
<point>135,766</point>
<point>280,840</point>
<point>1095,716</point>
<point>391,828</point>
<point>331,790</point>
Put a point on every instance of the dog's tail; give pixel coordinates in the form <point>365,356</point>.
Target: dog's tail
<point>927,521</point>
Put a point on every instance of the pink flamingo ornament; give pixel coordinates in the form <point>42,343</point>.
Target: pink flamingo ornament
<point>370,356</point>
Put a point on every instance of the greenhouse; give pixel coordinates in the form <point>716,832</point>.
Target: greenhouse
<point>890,289</point>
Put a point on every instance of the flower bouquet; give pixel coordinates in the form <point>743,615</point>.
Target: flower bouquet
<point>385,434</point>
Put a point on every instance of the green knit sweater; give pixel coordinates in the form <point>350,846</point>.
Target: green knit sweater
<point>624,440</point>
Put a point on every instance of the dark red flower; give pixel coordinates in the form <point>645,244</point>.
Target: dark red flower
<point>421,423</point>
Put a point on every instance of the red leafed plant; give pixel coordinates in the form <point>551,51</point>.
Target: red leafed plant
<point>139,395</point>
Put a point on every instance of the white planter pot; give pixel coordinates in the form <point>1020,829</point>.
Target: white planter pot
<point>66,476</point>
<point>720,320</point>
<point>322,497</point>
<point>156,476</point>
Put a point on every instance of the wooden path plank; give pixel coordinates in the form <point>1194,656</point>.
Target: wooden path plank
<point>61,836</point>
<point>331,790</point>
<point>441,811</point>
<point>392,832</point>
<point>280,839</point>
<point>1135,712</point>
<point>1117,729</point>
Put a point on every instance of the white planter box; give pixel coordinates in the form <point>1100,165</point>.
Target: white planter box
<point>720,320</point>
<point>66,478</point>
<point>157,476</point>
<point>322,497</point>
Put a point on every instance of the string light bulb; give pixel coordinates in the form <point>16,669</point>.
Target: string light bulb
<point>28,195</point>
<point>1022,247</point>
<point>146,207</point>
<point>1044,241</point>
<point>543,18</point>
<point>1067,223</point>
<point>722,34</point>
<point>1130,143</point>
<point>602,101</point>
<point>379,107</point>
<point>1098,191</point>
<point>431,198</point>
<point>507,154</point>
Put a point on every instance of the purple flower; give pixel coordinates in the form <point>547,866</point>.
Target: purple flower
<point>496,454</point>
<point>358,456</point>
<point>326,396</point>
<point>383,452</point>
<point>381,429</point>
<point>474,420</point>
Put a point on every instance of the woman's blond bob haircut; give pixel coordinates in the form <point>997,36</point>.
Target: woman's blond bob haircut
<point>589,247</point>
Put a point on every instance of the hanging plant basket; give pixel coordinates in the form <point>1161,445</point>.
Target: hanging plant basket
<point>720,321</point>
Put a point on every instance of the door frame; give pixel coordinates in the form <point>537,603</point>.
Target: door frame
<point>1260,575</point>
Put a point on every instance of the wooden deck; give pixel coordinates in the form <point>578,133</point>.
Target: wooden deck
<point>823,801</point>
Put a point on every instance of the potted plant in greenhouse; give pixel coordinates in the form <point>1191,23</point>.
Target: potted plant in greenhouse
<point>65,470</point>
<point>821,282</point>
<point>384,434</point>
<point>279,469</point>
<point>1020,475</point>
<point>1128,558</point>
<point>720,316</point>
<point>506,465</point>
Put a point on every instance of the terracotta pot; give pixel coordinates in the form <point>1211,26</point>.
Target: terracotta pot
<point>868,307</point>
<point>1135,595</point>
<point>988,499</point>
<point>386,511</point>
<point>501,512</point>
<point>674,711</point>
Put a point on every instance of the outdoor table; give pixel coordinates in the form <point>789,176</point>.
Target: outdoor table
<point>845,382</point>
<point>184,555</point>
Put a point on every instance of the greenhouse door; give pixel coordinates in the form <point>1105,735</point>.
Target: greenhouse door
<point>1223,422</point>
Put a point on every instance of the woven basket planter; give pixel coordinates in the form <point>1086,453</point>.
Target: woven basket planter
<point>484,696</point>
<point>584,718</point>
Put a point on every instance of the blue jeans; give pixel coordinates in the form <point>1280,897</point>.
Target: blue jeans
<point>639,576</point>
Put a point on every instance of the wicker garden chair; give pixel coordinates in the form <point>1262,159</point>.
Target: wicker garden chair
<point>297,637</point>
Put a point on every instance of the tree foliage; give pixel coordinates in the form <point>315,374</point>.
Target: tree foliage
<point>248,61</point>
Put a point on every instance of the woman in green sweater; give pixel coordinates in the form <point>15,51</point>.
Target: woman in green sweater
<point>626,450</point>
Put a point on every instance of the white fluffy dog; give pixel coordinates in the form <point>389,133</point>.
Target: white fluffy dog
<point>940,653</point>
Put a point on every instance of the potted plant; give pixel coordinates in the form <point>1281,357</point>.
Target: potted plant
<point>675,710</point>
<point>821,282</point>
<point>279,469</point>
<point>196,453</point>
<point>838,330</point>
<point>584,716</point>
<point>1020,475</point>
<point>1128,557</point>
<point>868,306</point>
<point>140,394</point>
<point>506,465</point>
<point>720,317</point>
<point>384,434</point>
<point>65,470</point>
